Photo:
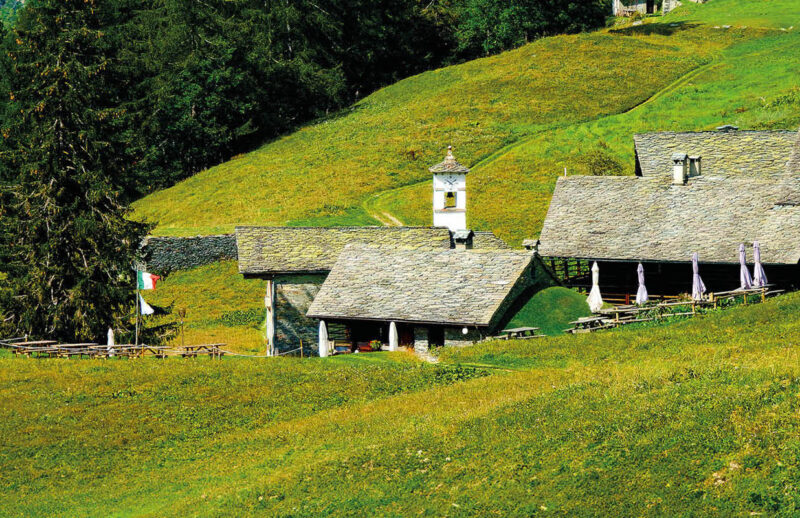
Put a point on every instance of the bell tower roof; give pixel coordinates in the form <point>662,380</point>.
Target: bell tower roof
<point>449,165</point>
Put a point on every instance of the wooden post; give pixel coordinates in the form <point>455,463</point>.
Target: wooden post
<point>763,294</point>
<point>301,348</point>
<point>269,303</point>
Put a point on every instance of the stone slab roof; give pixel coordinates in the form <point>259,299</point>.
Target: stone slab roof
<point>449,164</point>
<point>646,218</point>
<point>452,287</point>
<point>724,153</point>
<point>487,241</point>
<point>284,250</point>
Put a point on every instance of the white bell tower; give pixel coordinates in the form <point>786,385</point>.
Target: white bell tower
<point>450,193</point>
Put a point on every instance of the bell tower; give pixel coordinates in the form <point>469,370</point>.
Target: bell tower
<point>450,193</point>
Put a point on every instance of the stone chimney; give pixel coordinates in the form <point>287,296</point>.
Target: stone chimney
<point>462,239</point>
<point>695,166</point>
<point>680,168</point>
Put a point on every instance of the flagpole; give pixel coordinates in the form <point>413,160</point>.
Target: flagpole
<point>136,340</point>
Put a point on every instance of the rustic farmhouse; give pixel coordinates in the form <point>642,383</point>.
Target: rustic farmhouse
<point>433,296</point>
<point>703,192</point>
<point>296,261</point>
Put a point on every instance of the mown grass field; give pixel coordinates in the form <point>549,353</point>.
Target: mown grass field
<point>325,172</point>
<point>697,418</point>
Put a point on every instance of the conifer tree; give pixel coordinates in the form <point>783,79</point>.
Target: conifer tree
<point>71,247</point>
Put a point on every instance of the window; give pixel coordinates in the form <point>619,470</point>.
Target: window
<point>449,200</point>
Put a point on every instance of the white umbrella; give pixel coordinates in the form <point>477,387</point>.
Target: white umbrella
<point>698,288</point>
<point>393,338</point>
<point>641,293</point>
<point>759,277</point>
<point>110,342</point>
<point>323,339</point>
<point>745,281</point>
<point>595,300</point>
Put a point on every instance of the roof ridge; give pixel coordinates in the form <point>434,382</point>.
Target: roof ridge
<point>349,227</point>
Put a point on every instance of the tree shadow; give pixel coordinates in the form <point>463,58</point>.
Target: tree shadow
<point>661,29</point>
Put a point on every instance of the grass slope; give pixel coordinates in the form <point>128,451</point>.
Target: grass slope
<point>325,172</point>
<point>222,307</point>
<point>696,418</point>
<point>753,84</point>
<point>551,310</point>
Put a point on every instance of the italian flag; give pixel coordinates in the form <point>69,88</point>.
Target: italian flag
<point>146,281</point>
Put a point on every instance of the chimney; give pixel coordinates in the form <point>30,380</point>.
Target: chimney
<point>463,239</point>
<point>695,167</point>
<point>680,162</point>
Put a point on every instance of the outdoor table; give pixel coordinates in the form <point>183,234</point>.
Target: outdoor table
<point>520,332</point>
<point>620,312</point>
<point>28,350</point>
<point>193,350</point>
<point>587,324</point>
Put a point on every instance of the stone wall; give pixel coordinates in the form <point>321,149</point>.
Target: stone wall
<point>294,296</point>
<point>167,254</point>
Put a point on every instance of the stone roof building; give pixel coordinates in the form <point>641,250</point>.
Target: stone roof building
<point>703,192</point>
<point>441,287</point>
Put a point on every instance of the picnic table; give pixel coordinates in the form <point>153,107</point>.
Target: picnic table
<point>129,350</point>
<point>589,324</point>
<point>520,333</point>
<point>36,343</point>
<point>69,350</point>
<point>191,351</point>
<point>34,350</point>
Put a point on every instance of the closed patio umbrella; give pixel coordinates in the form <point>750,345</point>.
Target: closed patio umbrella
<point>595,300</point>
<point>393,339</point>
<point>759,277</point>
<point>745,280</point>
<point>698,288</point>
<point>110,341</point>
<point>641,293</point>
<point>323,339</point>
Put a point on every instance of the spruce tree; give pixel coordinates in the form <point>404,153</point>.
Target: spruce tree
<point>71,247</point>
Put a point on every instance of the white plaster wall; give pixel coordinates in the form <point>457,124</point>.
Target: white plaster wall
<point>454,220</point>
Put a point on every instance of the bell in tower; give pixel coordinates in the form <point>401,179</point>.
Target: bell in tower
<point>450,193</point>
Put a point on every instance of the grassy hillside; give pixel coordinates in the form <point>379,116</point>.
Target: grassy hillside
<point>329,169</point>
<point>696,418</point>
<point>753,84</point>
<point>518,118</point>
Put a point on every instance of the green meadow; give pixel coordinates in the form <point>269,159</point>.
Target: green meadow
<point>696,418</point>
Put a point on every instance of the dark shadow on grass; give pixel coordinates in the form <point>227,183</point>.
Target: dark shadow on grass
<point>661,29</point>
